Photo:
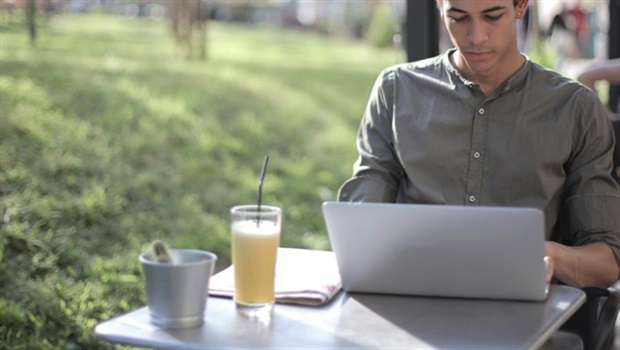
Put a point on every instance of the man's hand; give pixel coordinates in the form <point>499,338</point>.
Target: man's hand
<point>591,265</point>
<point>549,269</point>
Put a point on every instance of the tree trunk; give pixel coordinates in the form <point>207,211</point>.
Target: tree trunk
<point>31,10</point>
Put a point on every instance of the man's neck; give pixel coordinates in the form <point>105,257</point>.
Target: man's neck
<point>490,80</point>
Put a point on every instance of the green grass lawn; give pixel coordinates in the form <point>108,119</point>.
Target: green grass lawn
<point>110,139</point>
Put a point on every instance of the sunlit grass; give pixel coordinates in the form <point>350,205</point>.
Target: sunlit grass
<point>110,138</point>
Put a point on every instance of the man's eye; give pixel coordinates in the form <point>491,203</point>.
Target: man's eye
<point>457,19</point>
<point>493,18</point>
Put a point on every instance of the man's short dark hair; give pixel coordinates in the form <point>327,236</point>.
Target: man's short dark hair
<point>439,2</point>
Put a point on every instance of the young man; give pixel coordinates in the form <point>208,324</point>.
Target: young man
<point>484,125</point>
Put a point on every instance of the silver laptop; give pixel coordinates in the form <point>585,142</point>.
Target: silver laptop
<point>439,250</point>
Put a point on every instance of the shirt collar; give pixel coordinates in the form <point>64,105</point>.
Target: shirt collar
<point>515,80</point>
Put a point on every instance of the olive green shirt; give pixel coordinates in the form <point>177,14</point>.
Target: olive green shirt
<point>428,135</point>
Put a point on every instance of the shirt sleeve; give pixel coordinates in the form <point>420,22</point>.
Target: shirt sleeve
<point>377,172</point>
<point>592,207</point>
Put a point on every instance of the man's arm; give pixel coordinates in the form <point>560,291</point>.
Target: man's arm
<point>607,70</point>
<point>589,222</point>
<point>377,171</point>
<point>592,265</point>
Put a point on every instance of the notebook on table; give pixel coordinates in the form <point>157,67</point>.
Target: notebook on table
<point>439,250</point>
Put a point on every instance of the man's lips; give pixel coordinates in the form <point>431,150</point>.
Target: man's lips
<point>477,54</point>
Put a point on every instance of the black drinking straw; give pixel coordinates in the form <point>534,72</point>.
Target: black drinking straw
<point>260,188</point>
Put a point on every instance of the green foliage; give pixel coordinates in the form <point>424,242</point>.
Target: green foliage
<point>109,139</point>
<point>541,53</point>
<point>382,26</point>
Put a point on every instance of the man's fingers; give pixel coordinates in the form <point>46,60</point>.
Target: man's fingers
<point>549,269</point>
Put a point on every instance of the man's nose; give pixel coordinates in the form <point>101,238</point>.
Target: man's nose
<point>478,33</point>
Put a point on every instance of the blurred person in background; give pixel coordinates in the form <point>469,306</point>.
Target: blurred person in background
<point>602,70</point>
<point>562,39</point>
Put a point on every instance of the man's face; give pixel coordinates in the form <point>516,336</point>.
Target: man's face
<point>483,31</point>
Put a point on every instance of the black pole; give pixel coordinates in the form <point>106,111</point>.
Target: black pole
<point>614,49</point>
<point>421,29</point>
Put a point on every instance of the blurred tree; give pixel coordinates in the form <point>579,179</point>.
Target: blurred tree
<point>185,15</point>
<point>31,10</point>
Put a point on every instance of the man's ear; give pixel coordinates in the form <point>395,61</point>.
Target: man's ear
<point>521,8</point>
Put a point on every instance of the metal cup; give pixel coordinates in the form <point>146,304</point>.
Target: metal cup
<point>177,292</point>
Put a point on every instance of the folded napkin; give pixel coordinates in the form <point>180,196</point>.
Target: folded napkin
<point>306,277</point>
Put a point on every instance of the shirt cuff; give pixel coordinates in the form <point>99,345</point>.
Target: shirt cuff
<point>367,189</point>
<point>594,218</point>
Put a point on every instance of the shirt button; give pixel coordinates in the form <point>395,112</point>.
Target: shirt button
<point>476,155</point>
<point>472,199</point>
<point>481,111</point>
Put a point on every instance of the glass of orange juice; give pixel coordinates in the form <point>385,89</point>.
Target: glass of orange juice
<point>255,241</point>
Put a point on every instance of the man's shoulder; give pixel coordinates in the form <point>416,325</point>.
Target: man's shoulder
<point>542,78</point>
<point>563,91</point>
<point>431,67</point>
<point>548,77</point>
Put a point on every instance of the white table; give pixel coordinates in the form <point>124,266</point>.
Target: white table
<point>353,321</point>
